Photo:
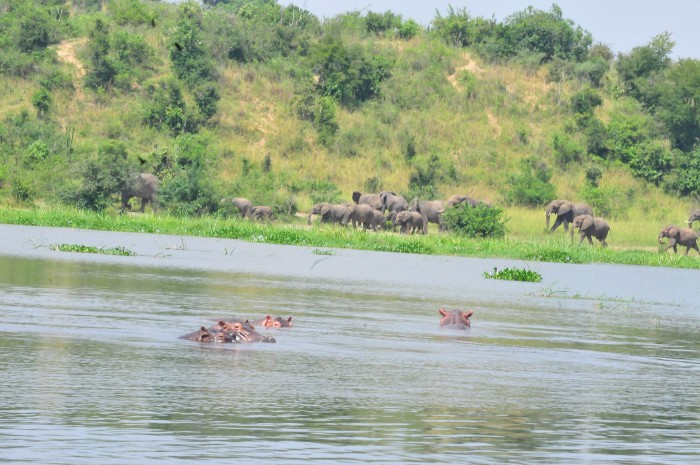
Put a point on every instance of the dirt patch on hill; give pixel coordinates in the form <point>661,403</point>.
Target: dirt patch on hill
<point>469,65</point>
<point>66,53</point>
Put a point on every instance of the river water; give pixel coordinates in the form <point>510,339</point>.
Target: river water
<point>596,364</point>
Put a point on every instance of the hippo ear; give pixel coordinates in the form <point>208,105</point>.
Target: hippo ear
<point>468,313</point>
<point>442,312</point>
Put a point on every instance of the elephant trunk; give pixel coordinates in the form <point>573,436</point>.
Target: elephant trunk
<point>308,221</point>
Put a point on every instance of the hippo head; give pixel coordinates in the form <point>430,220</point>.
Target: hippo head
<point>455,318</point>
<point>274,322</point>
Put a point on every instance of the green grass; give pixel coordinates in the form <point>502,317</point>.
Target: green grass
<point>540,247</point>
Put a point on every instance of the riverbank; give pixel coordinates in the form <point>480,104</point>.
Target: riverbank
<point>556,248</point>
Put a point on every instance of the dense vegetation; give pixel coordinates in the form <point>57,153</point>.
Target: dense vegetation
<point>251,98</point>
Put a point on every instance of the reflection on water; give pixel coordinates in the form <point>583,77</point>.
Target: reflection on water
<point>93,372</point>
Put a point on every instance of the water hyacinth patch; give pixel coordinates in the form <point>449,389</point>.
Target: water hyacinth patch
<point>514,274</point>
<point>119,250</point>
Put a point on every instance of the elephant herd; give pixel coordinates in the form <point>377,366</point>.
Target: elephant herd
<point>580,215</point>
<point>375,211</point>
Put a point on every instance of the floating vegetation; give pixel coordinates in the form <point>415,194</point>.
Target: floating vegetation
<point>323,252</point>
<point>514,274</point>
<point>119,250</point>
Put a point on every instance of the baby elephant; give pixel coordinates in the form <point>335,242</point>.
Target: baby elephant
<point>409,222</point>
<point>591,227</point>
<point>679,236</point>
<point>262,213</point>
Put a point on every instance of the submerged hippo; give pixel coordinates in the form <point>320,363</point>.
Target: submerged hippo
<point>455,319</point>
<point>274,322</point>
<point>228,331</point>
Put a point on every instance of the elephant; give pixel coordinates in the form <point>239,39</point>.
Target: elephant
<point>455,319</point>
<point>143,186</point>
<point>431,211</point>
<point>590,227</point>
<point>373,200</point>
<point>694,216</point>
<point>333,213</point>
<point>274,322</point>
<point>457,199</point>
<point>244,206</point>
<point>260,212</point>
<point>566,212</point>
<point>323,209</point>
<point>392,202</point>
<point>409,222</point>
<point>363,214</point>
<point>379,220</point>
<point>679,236</point>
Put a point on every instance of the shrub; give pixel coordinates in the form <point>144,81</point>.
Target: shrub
<point>650,161</point>
<point>42,100</point>
<point>566,150</point>
<point>479,221</point>
<point>409,29</point>
<point>37,152</point>
<point>531,187</point>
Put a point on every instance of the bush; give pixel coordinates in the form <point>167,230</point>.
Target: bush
<point>566,150</point>
<point>531,187</point>
<point>409,29</point>
<point>650,161</point>
<point>480,221</point>
<point>42,100</point>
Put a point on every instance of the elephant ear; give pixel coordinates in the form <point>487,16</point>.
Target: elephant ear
<point>565,208</point>
<point>673,231</point>
<point>325,209</point>
<point>586,222</point>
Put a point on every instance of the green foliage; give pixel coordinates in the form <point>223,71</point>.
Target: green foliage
<point>134,12</point>
<point>677,107</point>
<point>593,175</point>
<point>547,33</point>
<point>37,152</point>
<point>324,119</point>
<point>167,107</point>
<point>118,250</point>
<point>459,29</point>
<point>514,274</point>
<point>42,101</point>
<point>408,29</point>
<point>592,70</point>
<point>584,103</point>
<point>639,69</point>
<point>350,75</point>
<point>684,178</point>
<point>377,23</point>
<point>100,177</point>
<point>479,221</point>
<point>566,150</point>
<point>189,56</point>
<point>531,187</point>
<point>625,131</point>
<point>207,97</point>
<point>101,69</point>
<point>35,28</point>
<point>650,161</point>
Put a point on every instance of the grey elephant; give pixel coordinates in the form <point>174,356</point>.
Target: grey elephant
<point>323,209</point>
<point>261,212</point>
<point>409,222</point>
<point>694,216</point>
<point>243,205</point>
<point>364,214</point>
<point>431,211</point>
<point>456,199</point>
<point>392,202</point>
<point>373,200</point>
<point>679,236</point>
<point>566,212</point>
<point>143,186</point>
<point>333,213</point>
<point>589,227</point>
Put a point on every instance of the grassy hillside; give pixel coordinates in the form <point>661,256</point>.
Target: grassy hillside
<point>444,119</point>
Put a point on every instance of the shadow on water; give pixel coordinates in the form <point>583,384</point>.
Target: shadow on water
<point>93,371</point>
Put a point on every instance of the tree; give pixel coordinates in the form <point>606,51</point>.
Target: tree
<point>639,68</point>
<point>679,102</point>
<point>189,57</point>
<point>42,101</point>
